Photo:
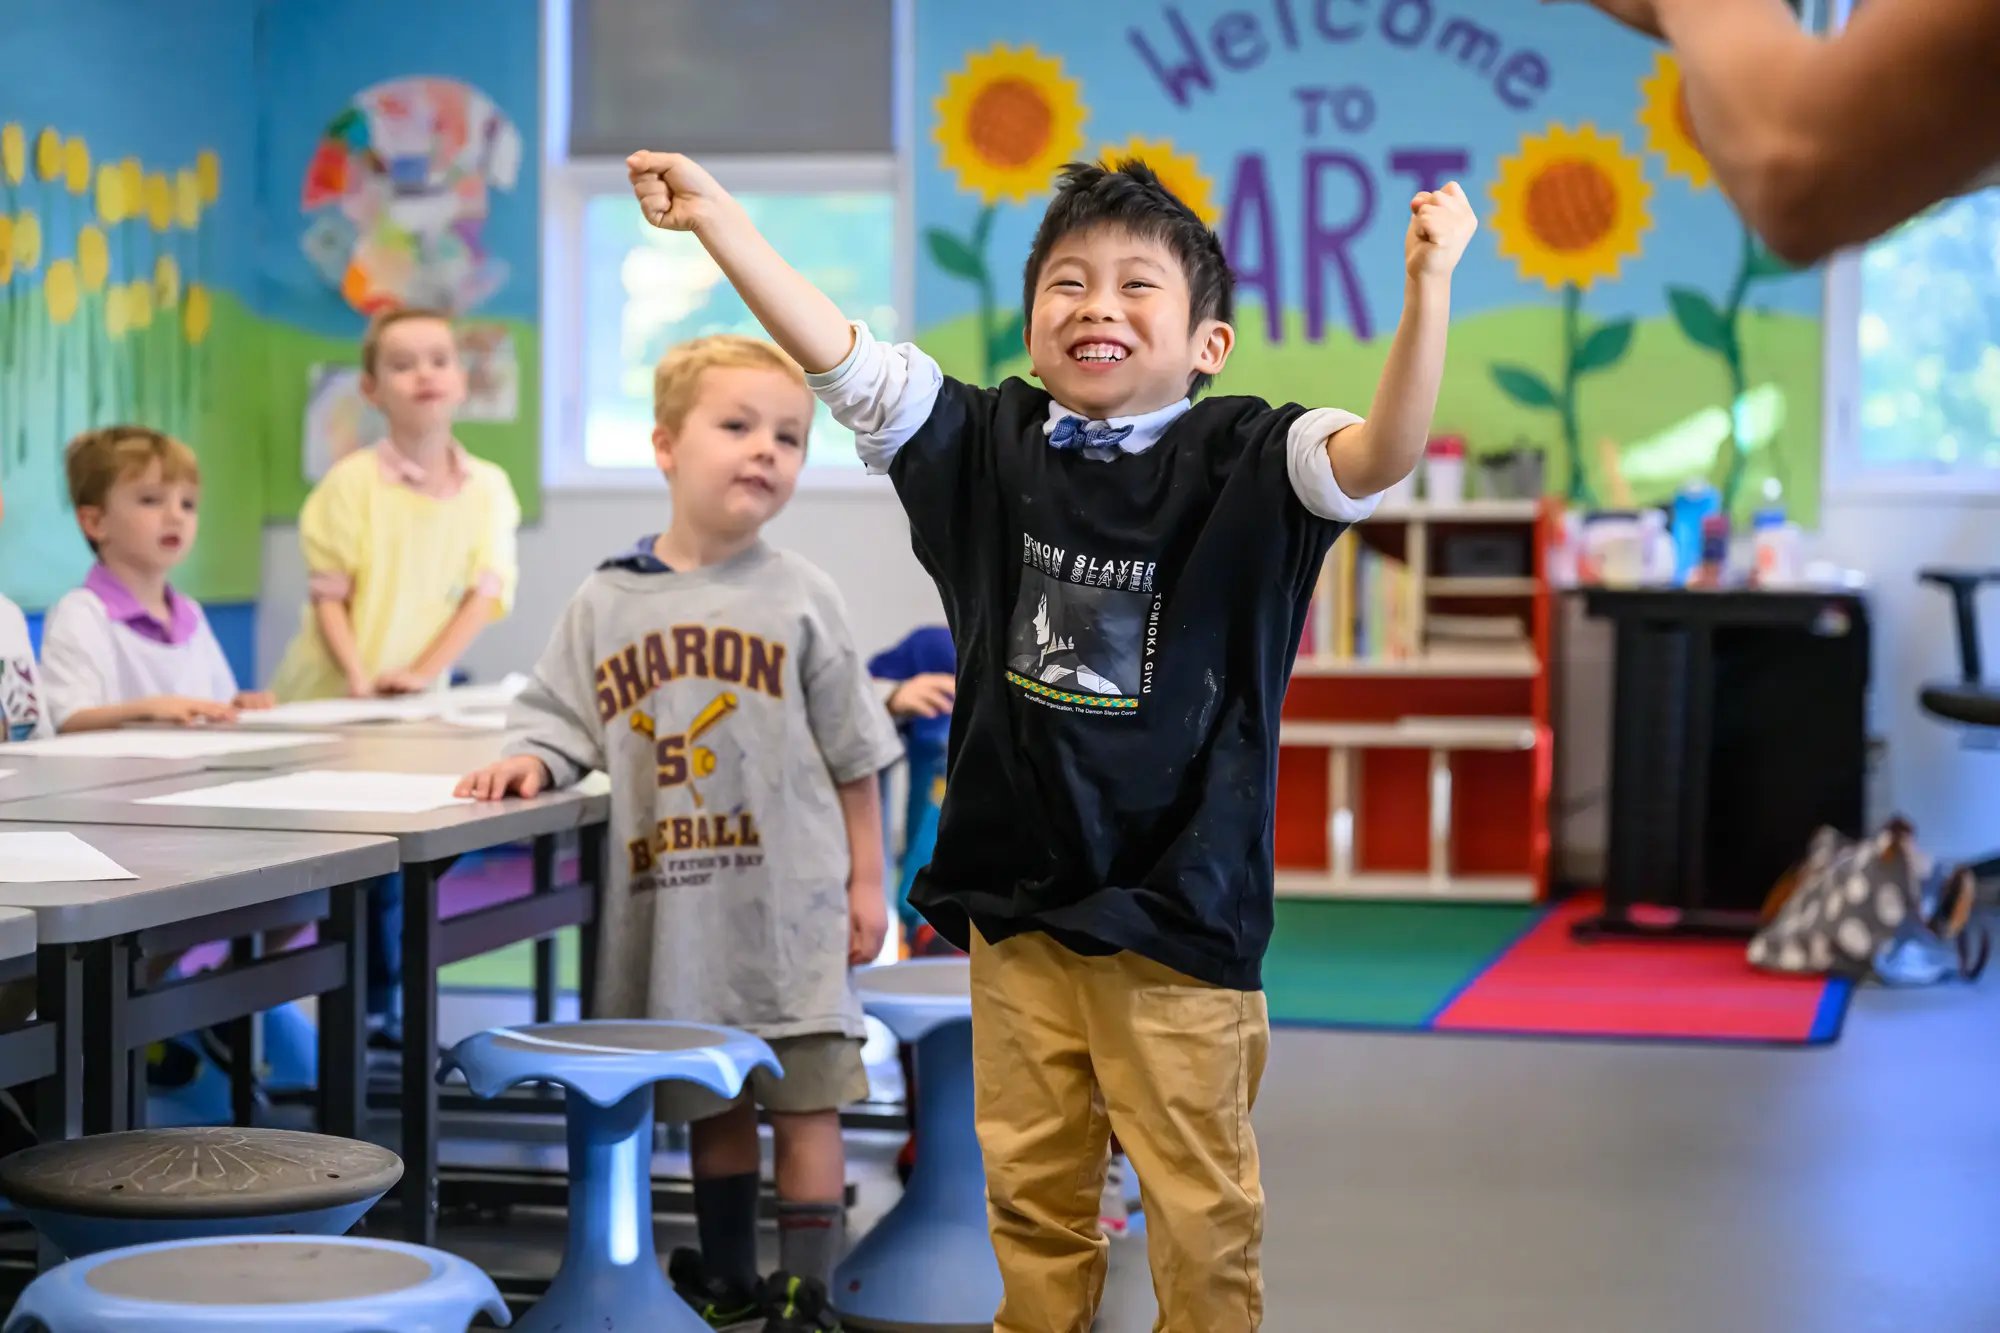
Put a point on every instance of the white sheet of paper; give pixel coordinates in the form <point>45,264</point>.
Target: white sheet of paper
<point>191,743</point>
<point>334,791</point>
<point>340,712</point>
<point>497,695</point>
<point>6,772</point>
<point>477,719</point>
<point>43,858</point>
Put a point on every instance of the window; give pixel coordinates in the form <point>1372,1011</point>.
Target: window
<point>645,290</point>
<point>1920,407</point>
<point>826,186</point>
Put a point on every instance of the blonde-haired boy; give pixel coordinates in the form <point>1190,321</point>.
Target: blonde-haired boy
<point>127,646</point>
<point>716,681</point>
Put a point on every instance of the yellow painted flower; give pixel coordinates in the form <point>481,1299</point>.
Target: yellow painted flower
<point>6,248</point>
<point>13,152</point>
<point>117,317</point>
<point>208,174</point>
<point>27,241</point>
<point>1180,172</point>
<point>60,289</point>
<point>1006,122</point>
<point>139,302</point>
<point>48,154</point>
<point>93,258</point>
<point>159,201</point>
<point>197,313</point>
<point>112,204</point>
<point>76,165</point>
<point>1669,130</point>
<point>166,282</point>
<point>187,199</point>
<point>1570,206</point>
<point>133,177</point>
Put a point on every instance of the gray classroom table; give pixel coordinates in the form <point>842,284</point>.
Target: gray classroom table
<point>27,1053</point>
<point>323,745</point>
<point>30,776</point>
<point>428,843</point>
<point>192,886</point>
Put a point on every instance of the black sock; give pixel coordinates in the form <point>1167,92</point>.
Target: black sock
<point>725,1216</point>
<point>810,1237</point>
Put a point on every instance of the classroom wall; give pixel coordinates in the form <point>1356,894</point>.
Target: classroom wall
<point>127,148</point>
<point>858,537</point>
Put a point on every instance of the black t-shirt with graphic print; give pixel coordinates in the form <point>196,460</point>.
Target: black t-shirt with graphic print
<point>1125,627</point>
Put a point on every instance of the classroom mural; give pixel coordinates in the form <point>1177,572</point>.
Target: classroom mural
<point>399,169</point>
<point>1613,317</point>
<point>123,273</point>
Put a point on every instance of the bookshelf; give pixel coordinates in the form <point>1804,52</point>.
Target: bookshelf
<point>1415,750</point>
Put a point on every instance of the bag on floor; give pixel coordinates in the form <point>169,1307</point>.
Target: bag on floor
<point>1876,908</point>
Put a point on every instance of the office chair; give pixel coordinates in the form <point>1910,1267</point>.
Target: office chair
<point>1970,699</point>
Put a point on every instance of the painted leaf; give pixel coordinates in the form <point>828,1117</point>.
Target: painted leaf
<point>1006,342</point>
<point>1764,264</point>
<point>1605,346</point>
<point>953,255</point>
<point>1525,386</point>
<point>1699,319</point>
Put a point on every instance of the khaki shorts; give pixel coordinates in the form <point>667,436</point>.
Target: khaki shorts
<point>823,1072</point>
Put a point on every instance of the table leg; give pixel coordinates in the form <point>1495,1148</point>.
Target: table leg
<point>343,1019</point>
<point>59,1000</point>
<point>592,869</point>
<point>107,1069</point>
<point>545,948</point>
<point>240,1036</point>
<point>419,1188</point>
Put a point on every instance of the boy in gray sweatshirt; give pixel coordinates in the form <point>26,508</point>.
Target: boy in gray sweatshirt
<point>716,681</point>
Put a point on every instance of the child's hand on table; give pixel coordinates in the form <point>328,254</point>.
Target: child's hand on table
<point>251,700</point>
<point>523,775</point>
<point>185,712</point>
<point>402,682</point>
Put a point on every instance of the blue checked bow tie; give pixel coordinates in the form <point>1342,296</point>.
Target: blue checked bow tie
<point>1076,433</point>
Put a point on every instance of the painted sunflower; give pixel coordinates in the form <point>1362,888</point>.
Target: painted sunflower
<point>1570,206</point>
<point>1180,172</point>
<point>197,314</point>
<point>93,258</point>
<point>1006,122</point>
<point>1669,130</point>
<point>60,289</point>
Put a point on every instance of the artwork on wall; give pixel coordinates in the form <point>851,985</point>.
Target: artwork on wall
<point>397,193</point>
<point>1613,316</point>
<point>105,303</point>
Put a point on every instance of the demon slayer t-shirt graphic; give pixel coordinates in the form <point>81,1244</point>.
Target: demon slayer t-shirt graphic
<point>1083,631</point>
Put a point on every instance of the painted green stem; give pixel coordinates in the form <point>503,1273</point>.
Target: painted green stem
<point>1579,486</point>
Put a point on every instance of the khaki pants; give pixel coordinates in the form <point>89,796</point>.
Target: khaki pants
<point>1066,1050</point>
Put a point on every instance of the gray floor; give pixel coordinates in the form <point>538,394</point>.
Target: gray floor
<point>1441,1185</point>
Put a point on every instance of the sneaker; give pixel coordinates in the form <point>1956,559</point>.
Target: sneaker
<point>797,1305</point>
<point>721,1305</point>
<point>1113,1214</point>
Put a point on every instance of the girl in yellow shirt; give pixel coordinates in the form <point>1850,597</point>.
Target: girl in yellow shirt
<point>409,545</point>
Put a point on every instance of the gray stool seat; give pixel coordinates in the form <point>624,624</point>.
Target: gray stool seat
<point>198,1173</point>
<point>297,1284</point>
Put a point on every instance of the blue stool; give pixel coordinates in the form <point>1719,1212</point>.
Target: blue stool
<point>610,1275</point>
<point>151,1185</point>
<point>928,1264</point>
<point>301,1284</point>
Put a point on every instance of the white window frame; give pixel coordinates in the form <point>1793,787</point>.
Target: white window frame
<point>1843,473</point>
<point>569,183</point>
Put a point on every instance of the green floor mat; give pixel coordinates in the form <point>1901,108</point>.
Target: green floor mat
<point>1380,964</point>
<point>512,968</point>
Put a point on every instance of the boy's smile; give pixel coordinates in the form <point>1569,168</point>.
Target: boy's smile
<point>1110,334</point>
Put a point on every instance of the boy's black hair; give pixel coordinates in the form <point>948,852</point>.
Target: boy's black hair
<point>1130,197</point>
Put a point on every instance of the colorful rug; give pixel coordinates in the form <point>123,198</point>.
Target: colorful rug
<point>1464,968</point>
<point>1515,971</point>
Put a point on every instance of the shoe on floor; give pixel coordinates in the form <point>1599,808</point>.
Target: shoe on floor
<point>797,1305</point>
<point>717,1302</point>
